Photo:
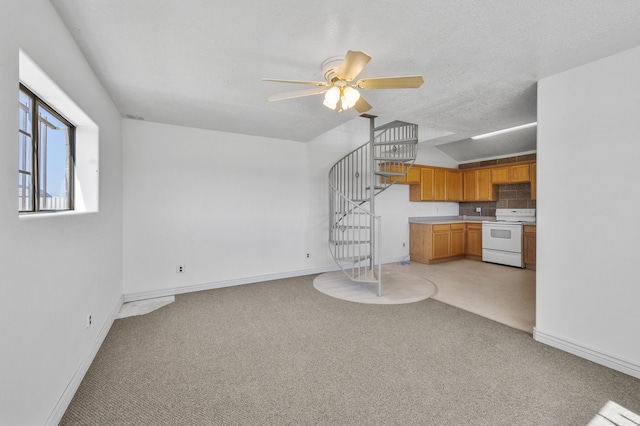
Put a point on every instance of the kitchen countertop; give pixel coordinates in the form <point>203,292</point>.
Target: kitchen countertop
<point>437,220</point>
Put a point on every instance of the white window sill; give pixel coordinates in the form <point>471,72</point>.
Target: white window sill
<point>43,215</point>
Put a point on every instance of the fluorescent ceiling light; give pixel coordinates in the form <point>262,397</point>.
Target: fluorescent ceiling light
<point>510,129</point>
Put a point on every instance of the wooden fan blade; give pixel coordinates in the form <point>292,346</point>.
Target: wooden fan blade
<point>297,94</point>
<point>314,83</point>
<point>362,105</point>
<point>352,65</point>
<point>408,82</point>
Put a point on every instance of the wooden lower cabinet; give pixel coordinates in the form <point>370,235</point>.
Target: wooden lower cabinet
<point>474,241</point>
<point>434,243</point>
<point>438,242</point>
<point>529,237</point>
<point>457,239</point>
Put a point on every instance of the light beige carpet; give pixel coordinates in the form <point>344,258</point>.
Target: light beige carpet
<point>282,353</point>
<point>397,287</point>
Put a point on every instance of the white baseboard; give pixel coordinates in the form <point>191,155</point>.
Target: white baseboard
<point>582,351</point>
<point>130,297</point>
<point>74,384</point>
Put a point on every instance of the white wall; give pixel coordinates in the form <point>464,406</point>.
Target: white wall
<point>588,284</point>
<point>56,269</point>
<point>230,208</point>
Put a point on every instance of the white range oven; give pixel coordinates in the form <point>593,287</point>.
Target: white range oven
<point>502,238</point>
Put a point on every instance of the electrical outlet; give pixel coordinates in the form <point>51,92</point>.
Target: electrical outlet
<point>89,320</point>
<point>179,269</point>
<point>478,209</point>
<point>404,244</point>
<point>308,255</point>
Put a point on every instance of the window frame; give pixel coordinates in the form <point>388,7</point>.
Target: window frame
<point>36,103</point>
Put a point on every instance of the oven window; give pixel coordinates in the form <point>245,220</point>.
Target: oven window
<point>501,233</point>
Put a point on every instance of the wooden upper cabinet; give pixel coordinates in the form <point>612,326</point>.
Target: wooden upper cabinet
<point>454,185</point>
<point>411,177</point>
<point>469,185</point>
<point>500,174</point>
<point>440,185</point>
<point>427,184</point>
<point>519,173</point>
<point>510,174</point>
<point>486,190</point>
<point>478,186</point>
<point>433,185</point>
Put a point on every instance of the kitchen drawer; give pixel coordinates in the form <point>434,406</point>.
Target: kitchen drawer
<point>441,228</point>
<point>457,226</point>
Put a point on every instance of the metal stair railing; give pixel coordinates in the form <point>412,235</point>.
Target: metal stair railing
<point>354,181</point>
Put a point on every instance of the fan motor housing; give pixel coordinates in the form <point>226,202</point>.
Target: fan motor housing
<point>330,68</point>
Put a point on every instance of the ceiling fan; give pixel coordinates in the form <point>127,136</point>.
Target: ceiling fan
<point>339,89</point>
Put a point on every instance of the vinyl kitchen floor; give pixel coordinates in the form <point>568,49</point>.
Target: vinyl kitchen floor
<point>502,293</point>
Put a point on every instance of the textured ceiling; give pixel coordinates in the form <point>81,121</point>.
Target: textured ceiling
<point>199,63</point>
<point>467,149</point>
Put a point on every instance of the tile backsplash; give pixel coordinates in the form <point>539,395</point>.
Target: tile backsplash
<point>515,196</point>
<point>469,209</point>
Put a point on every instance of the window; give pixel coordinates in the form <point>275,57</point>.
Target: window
<point>46,155</point>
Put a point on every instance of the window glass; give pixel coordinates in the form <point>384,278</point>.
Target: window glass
<point>25,153</point>
<point>53,153</point>
<point>45,156</point>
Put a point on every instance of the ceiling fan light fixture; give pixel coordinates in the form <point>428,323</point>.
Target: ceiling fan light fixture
<point>340,88</point>
<point>331,97</point>
<point>329,104</point>
<point>351,96</point>
<point>344,105</point>
<point>347,97</point>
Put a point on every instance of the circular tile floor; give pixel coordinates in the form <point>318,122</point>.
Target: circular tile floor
<point>397,288</point>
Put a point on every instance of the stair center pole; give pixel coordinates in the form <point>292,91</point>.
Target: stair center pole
<point>372,176</point>
<point>372,199</point>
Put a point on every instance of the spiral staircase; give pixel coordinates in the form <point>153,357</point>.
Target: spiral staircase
<point>354,181</point>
